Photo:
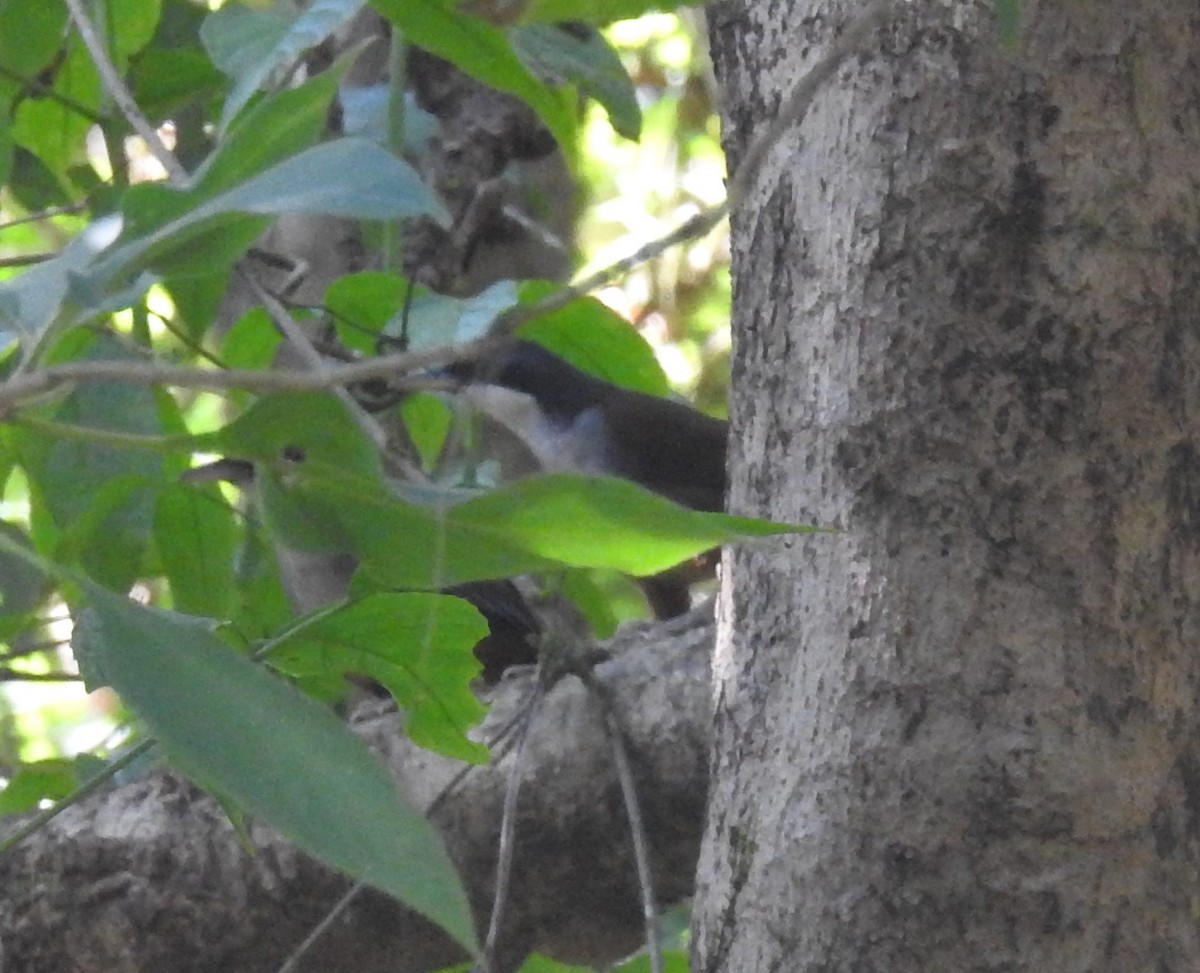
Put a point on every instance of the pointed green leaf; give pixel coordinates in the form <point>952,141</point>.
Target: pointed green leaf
<point>483,52</point>
<point>250,44</point>
<point>603,522</point>
<point>586,60</point>
<point>594,337</point>
<point>282,756</point>
<point>196,536</point>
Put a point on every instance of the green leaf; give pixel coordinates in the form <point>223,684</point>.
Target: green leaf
<point>131,25</point>
<point>346,177</point>
<point>43,780</point>
<point>278,126</point>
<point>598,14</point>
<point>370,304</point>
<point>250,44</point>
<point>323,490</point>
<point>304,430</point>
<point>483,52</point>
<point>282,756</point>
<point>22,585</point>
<point>196,537</point>
<point>428,420</point>
<point>31,32</point>
<point>30,302</point>
<point>54,129</point>
<point>588,62</point>
<point>592,336</point>
<point>167,80</point>
<point>418,646</point>
<point>98,492</point>
<point>6,151</point>
<point>603,522</point>
<point>110,535</point>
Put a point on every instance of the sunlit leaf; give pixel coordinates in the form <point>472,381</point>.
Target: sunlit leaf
<point>428,421</point>
<point>595,338</point>
<point>323,490</point>
<point>602,522</point>
<point>35,782</point>
<point>585,11</point>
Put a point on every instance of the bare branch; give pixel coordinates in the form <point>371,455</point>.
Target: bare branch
<point>36,384</point>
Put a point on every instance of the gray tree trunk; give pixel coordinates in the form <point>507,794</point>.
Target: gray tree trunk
<point>961,733</point>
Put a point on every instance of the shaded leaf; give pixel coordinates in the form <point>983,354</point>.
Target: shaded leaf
<point>588,62</point>
<point>418,646</point>
<point>97,494</point>
<point>22,585</point>
<point>196,537</point>
<point>483,52</point>
<point>346,177</point>
<point>282,756</point>
<point>250,44</point>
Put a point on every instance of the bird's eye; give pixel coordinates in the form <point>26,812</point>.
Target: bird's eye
<point>293,454</point>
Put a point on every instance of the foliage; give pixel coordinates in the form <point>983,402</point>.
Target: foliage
<point>206,654</point>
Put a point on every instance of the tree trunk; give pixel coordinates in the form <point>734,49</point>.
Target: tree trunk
<point>961,732</point>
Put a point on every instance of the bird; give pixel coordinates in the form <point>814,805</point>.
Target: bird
<point>571,420</point>
<point>574,421</point>
<point>514,631</point>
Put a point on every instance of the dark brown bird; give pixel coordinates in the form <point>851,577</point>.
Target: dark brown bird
<point>572,420</point>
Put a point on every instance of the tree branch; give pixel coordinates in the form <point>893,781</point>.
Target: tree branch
<point>150,875</point>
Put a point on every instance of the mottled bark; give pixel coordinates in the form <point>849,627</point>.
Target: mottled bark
<point>961,733</point>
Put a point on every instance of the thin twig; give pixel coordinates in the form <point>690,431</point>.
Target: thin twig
<point>27,259</point>
<point>120,94</point>
<point>35,384</point>
<point>93,783</point>
<point>508,829</point>
<point>633,811</point>
<point>500,745</point>
<point>290,328</point>
<point>637,831</point>
<point>43,214</point>
<point>16,675</point>
<point>39,89</point>
<point>320,928</point>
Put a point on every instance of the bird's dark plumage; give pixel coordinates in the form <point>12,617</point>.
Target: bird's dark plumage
<point>665,446</point>
<point>586,424</point>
